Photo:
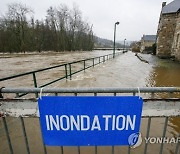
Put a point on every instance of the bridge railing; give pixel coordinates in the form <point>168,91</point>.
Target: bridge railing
<point>154,108</point>
<point>67,70</point>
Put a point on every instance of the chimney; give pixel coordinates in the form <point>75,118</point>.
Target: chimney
<point>163,4</point>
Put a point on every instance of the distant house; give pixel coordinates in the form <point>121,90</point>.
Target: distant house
<point>147,42</point>
<point>135,46</point>
<point>168,34</point>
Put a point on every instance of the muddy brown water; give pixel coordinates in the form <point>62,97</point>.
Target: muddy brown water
<point>124,71</point>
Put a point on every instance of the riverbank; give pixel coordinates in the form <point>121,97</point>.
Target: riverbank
<point>7,54</point>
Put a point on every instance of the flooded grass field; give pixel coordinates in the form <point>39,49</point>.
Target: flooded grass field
<point>126,70</point>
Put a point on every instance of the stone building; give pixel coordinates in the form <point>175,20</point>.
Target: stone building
<point>168,34</point>
<point>147,42</point>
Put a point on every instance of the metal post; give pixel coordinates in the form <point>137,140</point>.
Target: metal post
<point>17,95</point>
<point>124,46</point>
<point>84,65</point>
<point>79,151</point>
<point>95,149</point>
<point>34,80</point>
<point>112,150</point>
<point>62,151</point>
<point>147,134</point>
<point>129,149</point>
<point>35,83</point>
<point>177,147</point>
<point>117,23</point>
<point>25,135</point>
<point>66,71</point>
<point>152,95</point>
<point>70,71</point>
<point>7,135</point>
<point>44,146</point>
<point>164,133</point>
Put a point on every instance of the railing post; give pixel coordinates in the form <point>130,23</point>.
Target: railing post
<point>147,134</point>
<point>103,59</point>
<point>177,147</point>
<point>7,135</point>
<point>99,60</point>
<point>95,149</point>
<point>93,62</point>
<point>112,150</point>
<point>34,80</point>
<point>17,95</point>
<point>84,65</point>
<point>70,71</point>
<point>44,146</point>
<point>79,150</point>
<point>62,150</point>
<point>152,95</point>
<point>25,135</point>
<point>164,133</point>
<point>35,83</point>
<point>129,149</point>
<point>66,71</point>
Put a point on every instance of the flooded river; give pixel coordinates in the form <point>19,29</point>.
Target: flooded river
<point>126,70</point>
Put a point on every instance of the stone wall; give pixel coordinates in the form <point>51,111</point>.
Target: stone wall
<point>176,41</point>
<point>166,31</point>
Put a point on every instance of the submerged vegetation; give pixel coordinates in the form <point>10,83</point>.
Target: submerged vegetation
<point>63,29</point>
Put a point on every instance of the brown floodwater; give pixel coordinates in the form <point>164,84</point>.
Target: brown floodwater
<point>126,70</point>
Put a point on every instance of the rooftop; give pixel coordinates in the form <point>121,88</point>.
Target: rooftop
<point>172,7</point>
<point>149,37</point>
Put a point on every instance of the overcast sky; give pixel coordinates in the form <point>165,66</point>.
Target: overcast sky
<point>136,17</point>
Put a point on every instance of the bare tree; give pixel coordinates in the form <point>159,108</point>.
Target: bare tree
<point>17,16</point>
<point>62,17</point>
<point>63,29</point>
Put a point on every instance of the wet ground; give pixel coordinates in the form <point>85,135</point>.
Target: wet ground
<point>124,71</point>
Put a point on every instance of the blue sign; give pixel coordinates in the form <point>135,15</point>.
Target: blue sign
<point>89,120</point>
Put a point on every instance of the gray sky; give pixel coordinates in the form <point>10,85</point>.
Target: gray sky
<point>136,17</point>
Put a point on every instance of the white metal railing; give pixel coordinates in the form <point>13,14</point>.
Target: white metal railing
<point>154,106</point>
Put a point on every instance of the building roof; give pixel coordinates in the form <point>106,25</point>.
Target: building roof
<point>149,38</point>
<point>172,7</point>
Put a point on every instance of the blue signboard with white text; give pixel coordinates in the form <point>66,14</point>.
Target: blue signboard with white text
<point>89,120</point>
